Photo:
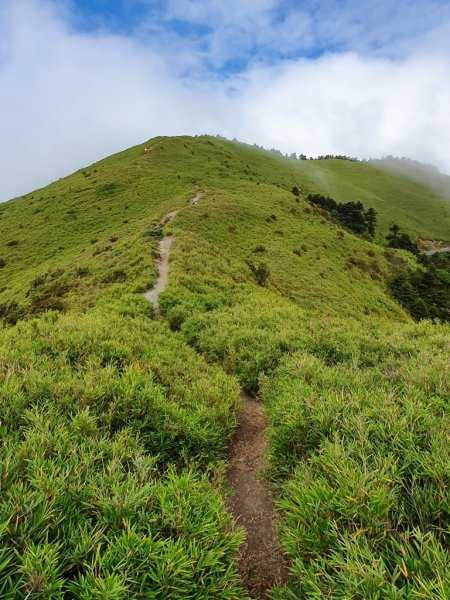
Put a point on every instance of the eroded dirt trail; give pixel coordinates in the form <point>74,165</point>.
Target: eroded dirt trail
<point>260,561</point>
<point>162,264</point>
<point>196,198</point>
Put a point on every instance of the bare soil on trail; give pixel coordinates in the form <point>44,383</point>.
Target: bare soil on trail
<point>162,265</point>
<point>196,198</point>
<point>168,217</point>
<point>260,560</point>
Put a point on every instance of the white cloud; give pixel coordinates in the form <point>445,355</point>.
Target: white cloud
<point>277,28</point>
<point>69,98</point>
<point>352,105</point>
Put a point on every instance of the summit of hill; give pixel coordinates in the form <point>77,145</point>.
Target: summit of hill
<point>89,228</point>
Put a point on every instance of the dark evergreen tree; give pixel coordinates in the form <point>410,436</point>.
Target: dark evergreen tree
<point>394,229</point>
<point>323,201</point>
<point>425,293</point>
<point>371,220</point>
<point>352,215</point>
<point>403,241</point>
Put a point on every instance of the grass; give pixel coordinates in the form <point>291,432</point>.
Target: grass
<point>395,197</point>
<point>91,217</point>
<point>358,413</point>
<point>113,437</point>
<point>309,259</point>
<point>114,424</point>
<point>360,460</point>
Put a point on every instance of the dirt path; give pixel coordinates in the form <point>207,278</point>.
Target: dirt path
<point>436,251</point>
<point>260,561</point>
<point>162,263</point>
<point>196,198</point>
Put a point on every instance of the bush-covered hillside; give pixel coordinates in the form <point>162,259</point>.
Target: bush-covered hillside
<point>84,232</point>
<point>115,418</point>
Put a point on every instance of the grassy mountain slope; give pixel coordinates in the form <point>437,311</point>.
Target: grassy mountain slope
<point>115,422</point>
<point>417,208</point>
<point>79,235</point>
<point>309,260</point>
<point>424,174</point>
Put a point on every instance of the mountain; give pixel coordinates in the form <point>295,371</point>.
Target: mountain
<point>116,415</point>
<point>424,174</point>
<point>94,218</point>
<point>419,205</point>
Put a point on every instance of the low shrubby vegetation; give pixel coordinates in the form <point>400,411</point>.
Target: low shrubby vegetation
<point>358,435</point>
<point>360,459</point>
<point>113,432</point>
<point>358,412</point>
<point>114,424</point>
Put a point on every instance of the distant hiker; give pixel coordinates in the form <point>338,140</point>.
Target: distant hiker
<point>145,152</point>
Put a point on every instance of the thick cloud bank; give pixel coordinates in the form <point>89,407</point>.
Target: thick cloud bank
<point>70,97</point>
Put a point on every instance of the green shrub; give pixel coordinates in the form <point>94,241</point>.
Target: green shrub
<point>260,272</point>
<point>118,275</point>
<point>107,189</point>
<point>154,232</point>
<point>360,462</point>
<point>106,422</point>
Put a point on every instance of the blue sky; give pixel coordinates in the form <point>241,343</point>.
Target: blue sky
<point>81,79</point>
<point>118,16</point>
<point>238,32</point>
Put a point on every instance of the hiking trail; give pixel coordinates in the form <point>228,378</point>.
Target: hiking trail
<point>260,561</point>
<point>162,263</point>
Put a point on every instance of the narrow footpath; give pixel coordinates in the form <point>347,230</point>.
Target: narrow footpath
<point>260,562</point>
<point>162,265</point>
<point>162,262</point>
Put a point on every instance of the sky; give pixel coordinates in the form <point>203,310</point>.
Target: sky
<point>82,79</point>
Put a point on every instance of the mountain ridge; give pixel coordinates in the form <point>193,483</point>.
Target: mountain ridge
<point>117,190</point>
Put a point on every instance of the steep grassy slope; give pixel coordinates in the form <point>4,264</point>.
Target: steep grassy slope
<point>306,258</point>
<point>84,231</point>
<point>114,426</point>
<point>426,175</point>
<point>418,209</point>
<point>358,412</point>
<point>67,243</point>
